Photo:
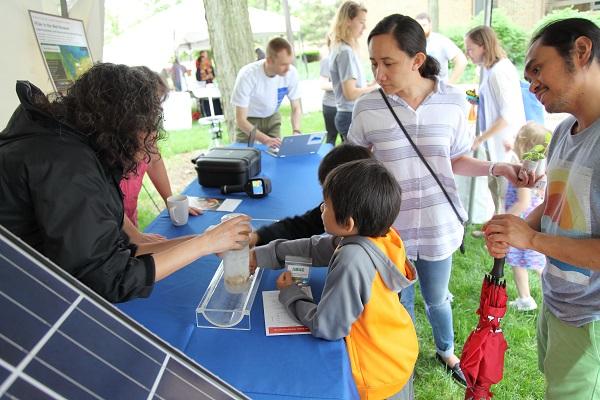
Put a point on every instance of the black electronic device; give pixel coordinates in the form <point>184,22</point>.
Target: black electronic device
<point>227,166</point>
<point>255,187</point>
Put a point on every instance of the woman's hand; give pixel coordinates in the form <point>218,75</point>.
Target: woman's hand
<point>516,174</point>
<point>232,234</point>
<point>147,238</point>
<point>284,280</point>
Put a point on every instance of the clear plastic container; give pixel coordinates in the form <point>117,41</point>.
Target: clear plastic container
<point>222,308</point>
<point>235,265</point>
<point>219,308</point>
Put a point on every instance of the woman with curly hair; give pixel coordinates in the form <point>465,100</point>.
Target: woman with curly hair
<point>60,166</point>
<point>131,184</point>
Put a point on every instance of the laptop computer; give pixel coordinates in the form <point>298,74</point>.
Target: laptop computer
<point>295,145</point>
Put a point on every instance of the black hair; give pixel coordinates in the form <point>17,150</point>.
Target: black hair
<point>562,34</point>
<point>117,109</point>
<point>410,38</point>
<point>365,191</point>
<point>339,155</point>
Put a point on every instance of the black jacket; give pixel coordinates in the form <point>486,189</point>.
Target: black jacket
<point>298,227</point>
<point>57,196</point>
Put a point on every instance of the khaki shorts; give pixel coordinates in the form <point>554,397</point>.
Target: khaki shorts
<point>269,125</point>
<point>569,357</point>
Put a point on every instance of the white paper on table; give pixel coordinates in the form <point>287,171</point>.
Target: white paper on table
<point>214,204</point>
<point>277,320</point>
<point>229,205</point>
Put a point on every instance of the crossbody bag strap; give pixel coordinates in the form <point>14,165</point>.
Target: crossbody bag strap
<point>387,102</point>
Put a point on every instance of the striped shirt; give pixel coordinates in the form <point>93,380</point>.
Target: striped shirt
<point>427,224</point>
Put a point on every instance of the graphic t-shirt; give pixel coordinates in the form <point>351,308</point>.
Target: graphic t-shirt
<point>262,94</point>
<point>571,292</point>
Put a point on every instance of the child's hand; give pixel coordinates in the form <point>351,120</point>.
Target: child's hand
<point>252,266</point>
<point>284,280</point>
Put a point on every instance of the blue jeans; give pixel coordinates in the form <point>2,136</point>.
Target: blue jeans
<point>343,119</point>
<point>434,277</point>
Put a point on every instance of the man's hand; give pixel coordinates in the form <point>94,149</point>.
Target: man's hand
<point>272,141</point>
<point>284,280</point>
<point>507,230</point>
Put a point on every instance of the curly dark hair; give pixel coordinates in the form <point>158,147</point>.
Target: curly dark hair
<point>118,109</point>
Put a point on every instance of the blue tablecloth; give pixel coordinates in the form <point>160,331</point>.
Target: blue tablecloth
<point>293,367</point>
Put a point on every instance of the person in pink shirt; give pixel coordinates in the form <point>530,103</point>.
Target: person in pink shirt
<point>131,185</point>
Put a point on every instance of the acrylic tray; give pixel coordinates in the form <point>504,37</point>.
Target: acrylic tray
<point>219,308</point>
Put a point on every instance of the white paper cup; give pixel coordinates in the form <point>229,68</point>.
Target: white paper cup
<point>178,206</point>
<point>530,165</point>
<point>541,167</point>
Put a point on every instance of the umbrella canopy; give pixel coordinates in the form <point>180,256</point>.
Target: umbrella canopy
<point>482,359</point>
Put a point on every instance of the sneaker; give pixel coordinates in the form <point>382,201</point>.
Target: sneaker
<point>477,234</point>
<point>523,304</point>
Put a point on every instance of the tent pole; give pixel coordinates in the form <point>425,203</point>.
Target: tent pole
<point>487,21</point>
<point>64,9</point>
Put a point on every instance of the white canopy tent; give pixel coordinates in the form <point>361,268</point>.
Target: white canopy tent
<point>157,39</point>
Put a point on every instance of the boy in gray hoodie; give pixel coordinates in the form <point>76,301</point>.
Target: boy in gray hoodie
<point>367,268</point>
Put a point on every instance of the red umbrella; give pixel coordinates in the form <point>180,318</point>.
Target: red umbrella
<point>482,359</point>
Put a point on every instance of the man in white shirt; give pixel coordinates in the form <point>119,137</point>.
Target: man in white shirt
<point>259,89</point>
<point>443,50</point>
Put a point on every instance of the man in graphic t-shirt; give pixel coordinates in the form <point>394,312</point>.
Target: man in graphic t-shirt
<point>563,68</point>
<point>259,89</point>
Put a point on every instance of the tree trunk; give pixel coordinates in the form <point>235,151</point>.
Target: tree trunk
<point>232,45</point>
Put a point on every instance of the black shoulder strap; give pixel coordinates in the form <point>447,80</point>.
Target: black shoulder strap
<point>387,102</point>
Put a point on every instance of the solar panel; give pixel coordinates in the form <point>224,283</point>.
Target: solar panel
<point>60,340</point>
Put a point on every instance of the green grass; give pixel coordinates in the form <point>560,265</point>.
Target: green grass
<point>522,380</point>
<point>308,71</point>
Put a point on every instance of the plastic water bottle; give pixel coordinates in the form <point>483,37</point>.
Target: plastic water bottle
<point>235,265</point>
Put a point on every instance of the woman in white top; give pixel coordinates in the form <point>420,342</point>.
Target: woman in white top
<point>434,115</point>
<point>501,111</point>
<point>346,72</point>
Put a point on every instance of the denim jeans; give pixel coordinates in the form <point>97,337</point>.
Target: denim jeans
<point>343,119</point>
<point>434,277</point>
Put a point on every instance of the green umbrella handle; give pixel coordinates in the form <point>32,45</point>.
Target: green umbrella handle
<point>498,270</point>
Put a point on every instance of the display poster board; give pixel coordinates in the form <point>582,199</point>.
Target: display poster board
<point>64,47</point>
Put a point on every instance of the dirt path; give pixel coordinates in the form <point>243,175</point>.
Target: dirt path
<point>181,170</point>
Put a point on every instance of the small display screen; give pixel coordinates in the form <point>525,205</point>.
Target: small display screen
<point>257,187</point>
